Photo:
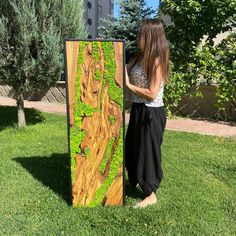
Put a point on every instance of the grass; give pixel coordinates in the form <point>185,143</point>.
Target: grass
<point>197,195</point>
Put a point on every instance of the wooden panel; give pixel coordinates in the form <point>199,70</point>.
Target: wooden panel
<point>71,59</point>
<point>96,117</point>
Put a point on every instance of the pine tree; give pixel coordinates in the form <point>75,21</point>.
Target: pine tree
<point>31,43</point>
<point>126,26</point>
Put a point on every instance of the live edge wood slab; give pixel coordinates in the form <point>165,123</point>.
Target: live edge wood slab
<point>95,111</point>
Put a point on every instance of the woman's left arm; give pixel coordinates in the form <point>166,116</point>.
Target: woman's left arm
<point>149,93</point>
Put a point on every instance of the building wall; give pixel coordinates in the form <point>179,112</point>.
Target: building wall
<point>95,10</point>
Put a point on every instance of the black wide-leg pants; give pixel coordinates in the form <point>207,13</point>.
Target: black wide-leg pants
<point>143,141</point>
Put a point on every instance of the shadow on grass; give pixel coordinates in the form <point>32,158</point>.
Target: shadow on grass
<point>8,116</point>
<point>52,171</point>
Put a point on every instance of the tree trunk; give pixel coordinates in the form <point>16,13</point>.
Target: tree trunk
<point>20,109</point>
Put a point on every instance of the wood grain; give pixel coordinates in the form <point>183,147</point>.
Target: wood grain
<point>99,130</point>
<point>72,49</point>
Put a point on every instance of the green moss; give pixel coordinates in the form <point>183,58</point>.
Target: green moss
<point>96,51</point>
<point>97,75</point>
<point>115,92</point>
<point>107,155</point>
<point>112,119</point>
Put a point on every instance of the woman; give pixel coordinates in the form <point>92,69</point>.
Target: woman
<point>146,75</point>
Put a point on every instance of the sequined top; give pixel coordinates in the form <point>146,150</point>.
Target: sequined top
<point>138,78</point>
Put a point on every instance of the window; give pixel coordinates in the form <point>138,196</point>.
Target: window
<point>89,5</point>
<point>89,21</point>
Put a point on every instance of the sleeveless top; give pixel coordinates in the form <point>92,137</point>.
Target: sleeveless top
<point>138,78</point>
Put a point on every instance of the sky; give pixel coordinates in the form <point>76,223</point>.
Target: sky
<point>150,3</point>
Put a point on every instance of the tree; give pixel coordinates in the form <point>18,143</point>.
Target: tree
<point>225,53</point>
<point>31,49</point>
<point>218,64</point>
<point>126,25</point>
<point>192,20</point>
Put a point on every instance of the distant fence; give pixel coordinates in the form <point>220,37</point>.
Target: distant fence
<point>192,107</point>
<point>203,106</point>
<point>56,94</point>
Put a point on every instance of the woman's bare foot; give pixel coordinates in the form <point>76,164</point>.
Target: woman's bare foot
<point>151,199</point>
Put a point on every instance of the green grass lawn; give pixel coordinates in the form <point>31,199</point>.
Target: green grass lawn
<point>197,195</point>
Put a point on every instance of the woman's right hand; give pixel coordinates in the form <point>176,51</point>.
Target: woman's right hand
<point>127,77</point>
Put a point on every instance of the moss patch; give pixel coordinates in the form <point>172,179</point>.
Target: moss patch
<point>96,51</point>
<point>114,91</point>
<point>112,119</point>
<point>97,75</point>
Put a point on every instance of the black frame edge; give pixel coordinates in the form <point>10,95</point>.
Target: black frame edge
<point>67,105</point>
<point>124,191</point>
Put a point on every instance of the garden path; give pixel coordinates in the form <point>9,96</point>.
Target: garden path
<point>216,128</point>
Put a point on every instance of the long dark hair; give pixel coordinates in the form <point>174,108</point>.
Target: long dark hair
<point>152,44</point>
